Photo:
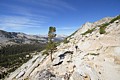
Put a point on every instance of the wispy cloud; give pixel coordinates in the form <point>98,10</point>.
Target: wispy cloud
<point>16,22</point>
<point>36,7</point>
<point>55,4</point>
<point>26,14</point>
<point>15,9</point>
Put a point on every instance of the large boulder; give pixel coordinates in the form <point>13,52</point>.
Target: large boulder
<point>47,75</point>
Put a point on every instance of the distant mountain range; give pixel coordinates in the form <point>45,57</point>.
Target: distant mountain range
<point>22,38</point>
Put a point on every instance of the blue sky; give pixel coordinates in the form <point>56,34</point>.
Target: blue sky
<point>35,16</point>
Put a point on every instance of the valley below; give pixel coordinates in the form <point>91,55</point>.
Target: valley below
<point>18,48</point>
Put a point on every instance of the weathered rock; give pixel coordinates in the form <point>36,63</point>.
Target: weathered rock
<point>56,61</point>
<point>46,75</point>
<point>117,51</point>
<point>90,57</point>
<point>71,68</point>
<point>76,76</point>
<point>20,74</point>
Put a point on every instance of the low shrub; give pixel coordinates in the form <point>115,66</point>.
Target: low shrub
<point>88,31</point>
<point>116,18</point>
<point>102,28</point>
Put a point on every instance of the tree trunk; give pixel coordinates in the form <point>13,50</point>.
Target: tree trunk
<point>51,56</point>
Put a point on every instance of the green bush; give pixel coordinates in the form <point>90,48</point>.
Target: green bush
<point>118,17</point>
<point>88,31</point>
<point>102,28</point>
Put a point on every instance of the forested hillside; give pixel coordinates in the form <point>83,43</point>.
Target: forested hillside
<point>13,56</point>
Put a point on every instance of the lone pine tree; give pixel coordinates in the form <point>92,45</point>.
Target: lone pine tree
<point>51,44</point>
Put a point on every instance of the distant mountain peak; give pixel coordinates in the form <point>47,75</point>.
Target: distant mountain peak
<point>19,37</point>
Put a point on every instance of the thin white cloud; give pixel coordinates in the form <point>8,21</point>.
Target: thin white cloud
<point>68,6</point>
<point>16,9</point>
<point>51,4</point>
<point>33,13</point>
<point>59,4</point>
<point>31,10</point>
<point>37,7</point>
<point>17,22</point>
